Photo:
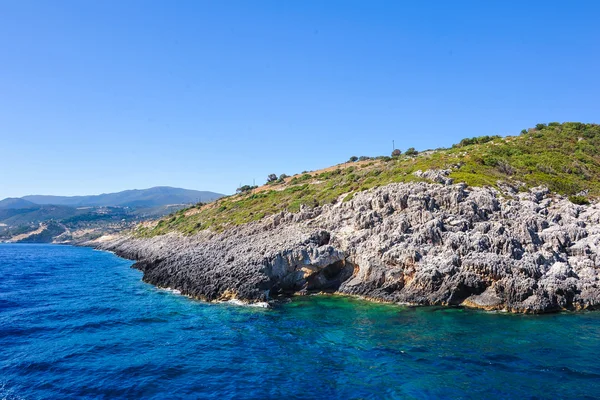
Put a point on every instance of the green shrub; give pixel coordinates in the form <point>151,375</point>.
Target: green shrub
<point>299,179</point>
<point>476,140</point>
<point>245,188</point>
<point>329,174</point>
<point>281,178</point>
<point>271,178</point>
<point>411,152</point>
<point>504,167</point>
<point>580,200</point>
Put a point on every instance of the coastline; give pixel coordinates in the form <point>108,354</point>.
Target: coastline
<point>283,299</point>
<point>398,244</point>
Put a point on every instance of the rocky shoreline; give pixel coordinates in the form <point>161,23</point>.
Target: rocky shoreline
<point>416,243</point>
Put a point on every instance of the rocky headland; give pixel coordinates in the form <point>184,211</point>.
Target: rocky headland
<point>411,243</point>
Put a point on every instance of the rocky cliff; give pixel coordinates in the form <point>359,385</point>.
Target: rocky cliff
<point>417,243</point>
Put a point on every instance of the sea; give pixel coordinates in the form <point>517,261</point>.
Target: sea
<point>79,323</point>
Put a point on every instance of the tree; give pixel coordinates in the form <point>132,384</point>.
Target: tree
<point>411,152</point>
<point>271,178</point>
<point>353,159</point>
<point>245,188</point>
<point>475,140</point>
<point>282,178</point>
<point>396,153</point>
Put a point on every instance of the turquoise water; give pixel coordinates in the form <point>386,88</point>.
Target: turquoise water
<point>80,323</point>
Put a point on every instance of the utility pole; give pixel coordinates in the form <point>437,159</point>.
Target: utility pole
<point>393,146</point>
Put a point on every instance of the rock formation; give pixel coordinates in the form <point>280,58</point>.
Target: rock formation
<point>417,243</point>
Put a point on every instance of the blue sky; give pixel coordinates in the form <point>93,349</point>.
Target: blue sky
<point>102,96</point>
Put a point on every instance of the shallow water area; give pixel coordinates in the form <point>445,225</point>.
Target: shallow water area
<point>75,322</point>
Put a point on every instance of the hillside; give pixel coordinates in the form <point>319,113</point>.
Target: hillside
<point>47,222</point>
<point>87,217</point>
<point>563,157</point>
<point>499,223</point>
<point>15,203</point>
<point>153,197</point>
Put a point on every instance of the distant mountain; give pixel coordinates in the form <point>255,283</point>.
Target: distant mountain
<point>15,203</point>
<point>153,197</point>
<point>36,214</point>
<point>77,218</point>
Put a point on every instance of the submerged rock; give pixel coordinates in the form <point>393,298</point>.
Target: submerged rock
<point>416,243</point>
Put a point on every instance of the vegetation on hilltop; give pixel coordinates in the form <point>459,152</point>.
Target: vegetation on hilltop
<point>564,157</point>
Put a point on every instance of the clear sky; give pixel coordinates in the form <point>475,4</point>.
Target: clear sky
<point>102,96</point>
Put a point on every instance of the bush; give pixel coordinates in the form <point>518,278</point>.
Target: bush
<point>488,160</point>
<point>505,167</point>
<point>578,126</point>
<point>245,188</point>
<point>476,140</point>
<point>545,168</point>
<point>329,174</point>
<point>363,158</point>
<point>539,127</point>
<point>271,178</point>
<point>411,152</point>
<point>396,153</point>
<point>301,178</point>
<point>353,159</point>
<point>579,200</point>
<point>281,178</point>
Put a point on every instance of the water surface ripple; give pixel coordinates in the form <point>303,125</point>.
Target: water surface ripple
<point>78,323</point>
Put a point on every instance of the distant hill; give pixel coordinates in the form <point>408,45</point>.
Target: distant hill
<point>37,214</point>
<point>15,203</point>
<point>153,197</point>
<point>72,219</point>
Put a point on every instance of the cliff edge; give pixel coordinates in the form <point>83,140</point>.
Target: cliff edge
<point>416,243</point>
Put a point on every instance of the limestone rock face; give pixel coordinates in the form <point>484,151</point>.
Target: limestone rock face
<point>414,243</point>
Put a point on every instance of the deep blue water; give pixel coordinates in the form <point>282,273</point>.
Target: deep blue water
<point>80,323</point>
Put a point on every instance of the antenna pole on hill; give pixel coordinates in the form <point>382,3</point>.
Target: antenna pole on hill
<point>393,146</point>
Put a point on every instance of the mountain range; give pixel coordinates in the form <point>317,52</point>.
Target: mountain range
<point>153,197</point>
<point>42,218</point>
